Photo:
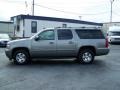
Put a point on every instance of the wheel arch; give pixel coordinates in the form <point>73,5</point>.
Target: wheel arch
<point>87,47</point>
<point>20,48</point>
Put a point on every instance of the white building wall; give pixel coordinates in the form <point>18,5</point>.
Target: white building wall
<point>19,33</point>
<point>42,24</point>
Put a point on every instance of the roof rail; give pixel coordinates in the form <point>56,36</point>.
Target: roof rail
<point>83,27</point>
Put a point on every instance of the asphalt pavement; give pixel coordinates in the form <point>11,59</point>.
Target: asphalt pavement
<point>103,74</point>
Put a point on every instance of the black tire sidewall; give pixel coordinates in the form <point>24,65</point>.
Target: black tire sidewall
<point>21,51</point>
<point>81,54</point>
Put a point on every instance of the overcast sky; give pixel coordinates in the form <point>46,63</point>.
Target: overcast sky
<point>88,10</point>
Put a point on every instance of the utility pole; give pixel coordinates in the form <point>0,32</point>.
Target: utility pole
<point>33,7</point>
<point>111,10</point>
<point>26,5</point>
<point>80,17</point>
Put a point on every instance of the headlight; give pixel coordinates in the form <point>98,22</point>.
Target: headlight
<point>8,46</point>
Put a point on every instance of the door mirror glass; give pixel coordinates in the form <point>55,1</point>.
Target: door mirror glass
<point>36,38</point>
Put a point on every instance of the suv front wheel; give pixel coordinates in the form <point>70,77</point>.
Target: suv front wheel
<point>86,56</point>
<point>21,57</point>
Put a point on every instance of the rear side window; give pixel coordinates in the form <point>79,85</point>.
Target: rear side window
<point>114,33</point>
<point>90,34</point>
<point>64,34</point>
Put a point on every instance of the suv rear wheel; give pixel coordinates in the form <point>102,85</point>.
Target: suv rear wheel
<point>21,57</point>
<point>86,56</point>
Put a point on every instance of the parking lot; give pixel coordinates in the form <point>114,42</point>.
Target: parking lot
<point>103,74</point>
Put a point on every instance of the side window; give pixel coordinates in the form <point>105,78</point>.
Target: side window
<point>90,34</point>
<point>47,35</point>
<point>64,34</point>
<point>34,27</point>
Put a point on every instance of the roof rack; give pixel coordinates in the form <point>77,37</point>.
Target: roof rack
<point>83,27</point>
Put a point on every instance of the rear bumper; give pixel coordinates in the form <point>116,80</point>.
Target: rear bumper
<point>102,51</point>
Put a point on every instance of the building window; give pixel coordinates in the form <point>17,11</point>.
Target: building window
<point>34,26</point>
<point>64,25</point>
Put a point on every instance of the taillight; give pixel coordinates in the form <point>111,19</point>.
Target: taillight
<point>106,43</point>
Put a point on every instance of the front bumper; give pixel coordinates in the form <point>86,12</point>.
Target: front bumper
<point>8,53</point>
<point>114,40</point>
<point>2,45</point>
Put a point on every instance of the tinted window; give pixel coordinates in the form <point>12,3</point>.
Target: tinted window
<point>64,34</point>
<point>90,34</point>
<point>114,33</point>
<point>47,35</point>
<point>34,27</point>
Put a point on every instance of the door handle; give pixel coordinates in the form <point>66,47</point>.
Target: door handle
<point>70,42</point>
<point>51,42</point>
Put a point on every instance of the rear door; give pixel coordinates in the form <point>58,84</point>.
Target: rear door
<point>65,43</point>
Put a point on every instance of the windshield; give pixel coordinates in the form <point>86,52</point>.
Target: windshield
<point>4,36</point>
<point>114,33</point>
<point>35,34</point>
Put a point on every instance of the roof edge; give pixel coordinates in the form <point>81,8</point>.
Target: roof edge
<point>21,16</point>
<point>6,22</point>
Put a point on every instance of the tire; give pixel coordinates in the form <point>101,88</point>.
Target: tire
<point>86,56</point>
<point>21,57</point>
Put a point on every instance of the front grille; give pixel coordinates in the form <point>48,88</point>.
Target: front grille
<point>5,41</point>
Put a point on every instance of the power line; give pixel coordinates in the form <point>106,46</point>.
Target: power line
<point>13,1</point>
<point>70,12</point>
<point>58,10</point>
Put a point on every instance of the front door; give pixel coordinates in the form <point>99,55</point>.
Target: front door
<point>45,45</point>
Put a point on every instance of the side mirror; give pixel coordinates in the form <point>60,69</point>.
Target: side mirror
<point>36,38</point>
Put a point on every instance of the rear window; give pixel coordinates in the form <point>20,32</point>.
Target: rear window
<point>90,34</point>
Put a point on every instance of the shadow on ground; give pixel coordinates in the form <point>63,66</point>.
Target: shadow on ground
<point>62,63</point>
